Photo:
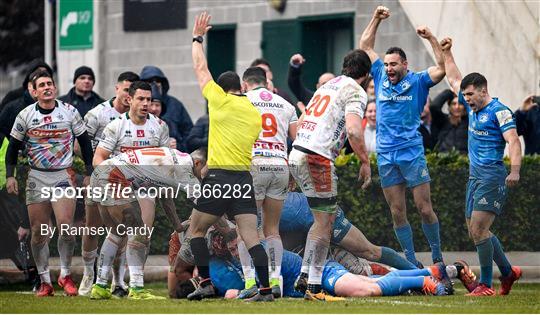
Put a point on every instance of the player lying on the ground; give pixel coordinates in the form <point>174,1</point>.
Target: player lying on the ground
<point>120,177</point>
<point>336,280</point>
<point>296,219</point>
<point>181,281</point>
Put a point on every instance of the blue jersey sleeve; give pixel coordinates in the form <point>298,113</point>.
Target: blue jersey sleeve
<point>504,118</point>
<point>377,70</point>
<point>425,79</point>
<point>461,99</point>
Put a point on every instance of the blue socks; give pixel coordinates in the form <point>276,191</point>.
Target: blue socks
<point>485,256</point>
<point>500,258</point>
<point>391,286</point>
<point>431,231</point>
<point>409,273</point>
<point>391,258</point>
<point>405,239</point>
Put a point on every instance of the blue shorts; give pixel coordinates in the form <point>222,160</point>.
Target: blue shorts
<point>332,272</point>
<point>341,227</point>
<point>483,195</point>
<point>406,165</point>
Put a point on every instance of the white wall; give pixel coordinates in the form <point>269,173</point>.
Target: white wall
<point>499,39</point>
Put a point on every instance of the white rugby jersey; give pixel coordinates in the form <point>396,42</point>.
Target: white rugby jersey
<point>277,114</point>
<point>122,134</point>
<point>97,118</point>
<point>323,128</point>
<point>49,137</point>
<point>163,167</point>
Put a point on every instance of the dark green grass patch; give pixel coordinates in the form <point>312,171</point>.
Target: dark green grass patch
<point>525,298</point>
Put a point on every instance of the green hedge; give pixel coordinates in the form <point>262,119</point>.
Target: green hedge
<point>516,227</point>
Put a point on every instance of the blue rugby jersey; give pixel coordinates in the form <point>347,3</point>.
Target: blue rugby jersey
<point>486,142</point>
<point>399,107</point>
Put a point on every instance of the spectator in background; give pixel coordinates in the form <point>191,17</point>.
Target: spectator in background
<point>528,124</point>
<point>302,93</point>
<point>198,137</point>
<point>157,108</point>
<point>12,108</point>
<point>173,111</point>
<point>81,95</point>
<point>453,127</point>
<point>370,91</point>
<point>263,63</point>
<point>425,128</point>
<point>18,92</point>
<point>370,131</point>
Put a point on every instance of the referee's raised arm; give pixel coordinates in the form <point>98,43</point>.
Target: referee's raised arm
<point>200,65</point>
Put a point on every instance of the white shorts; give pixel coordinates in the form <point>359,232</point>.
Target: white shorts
<point>270,177</point>
<point>105,181</point>
<point>40,182</point>
<point>315,174</point>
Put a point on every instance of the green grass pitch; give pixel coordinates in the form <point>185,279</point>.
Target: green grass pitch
<point>525,298</point>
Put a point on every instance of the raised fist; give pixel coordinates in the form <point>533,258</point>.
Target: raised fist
<point>297,59</point>
<point>446,43</point>
<point>381,12</point>
<point>424,32</point>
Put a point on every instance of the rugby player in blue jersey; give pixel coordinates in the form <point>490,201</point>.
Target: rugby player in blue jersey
<point>400,96</point>
<point>226,274</point>
<point>491,127</point>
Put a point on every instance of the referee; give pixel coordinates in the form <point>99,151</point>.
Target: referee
<point>228,186</point>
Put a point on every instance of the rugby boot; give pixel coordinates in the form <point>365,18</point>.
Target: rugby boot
<point>438,271</point>
<point>119,292</point>
<point>508,281</point>
<point>205,289</point>
<point>300,284</point>
<point>140,293</point>
<point>248,293</point>
<point>433,287</point>
<point>321,296</point>
<point>100,292</point>
<point>70,289</point>
<point>466,275</point>
<point>481,290</point>
<point>45,289</point>
<point>263,295</point>
<point>86,285</point>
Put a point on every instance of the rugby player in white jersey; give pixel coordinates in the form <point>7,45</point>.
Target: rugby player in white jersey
<point>334,113</point>
<point>120,179</point>
<point>270,173</point>
<point>49,128</point>
<point>135,129</point>
<point>96,120</point>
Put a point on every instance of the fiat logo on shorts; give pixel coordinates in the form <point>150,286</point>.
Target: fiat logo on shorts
<point>266,96</point>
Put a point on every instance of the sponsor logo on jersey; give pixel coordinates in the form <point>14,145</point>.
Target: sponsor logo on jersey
<point>478,132</point>
<point>308,125</point>
<point>483,118</point>
<point>405,85</point>
<point>60,117</point>
<point>35,121</point>
<point>47,119</point>
<point>425,172</point>
<point>140,133</point>
<point>47,133</point>
<point>394,97</point>
<point>51,126</point>
<point>504,117</point>
<point>497,205</point>
<point>265,96</point>
<point>483,201</point>
<point>266,145</point>
<point>19,127</point>
<point>127,133</point>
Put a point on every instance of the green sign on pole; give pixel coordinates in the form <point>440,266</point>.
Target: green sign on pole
<point>75,25</point>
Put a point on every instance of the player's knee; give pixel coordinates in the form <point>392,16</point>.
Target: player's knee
<point>478,232</point>
<point>38,237</point>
